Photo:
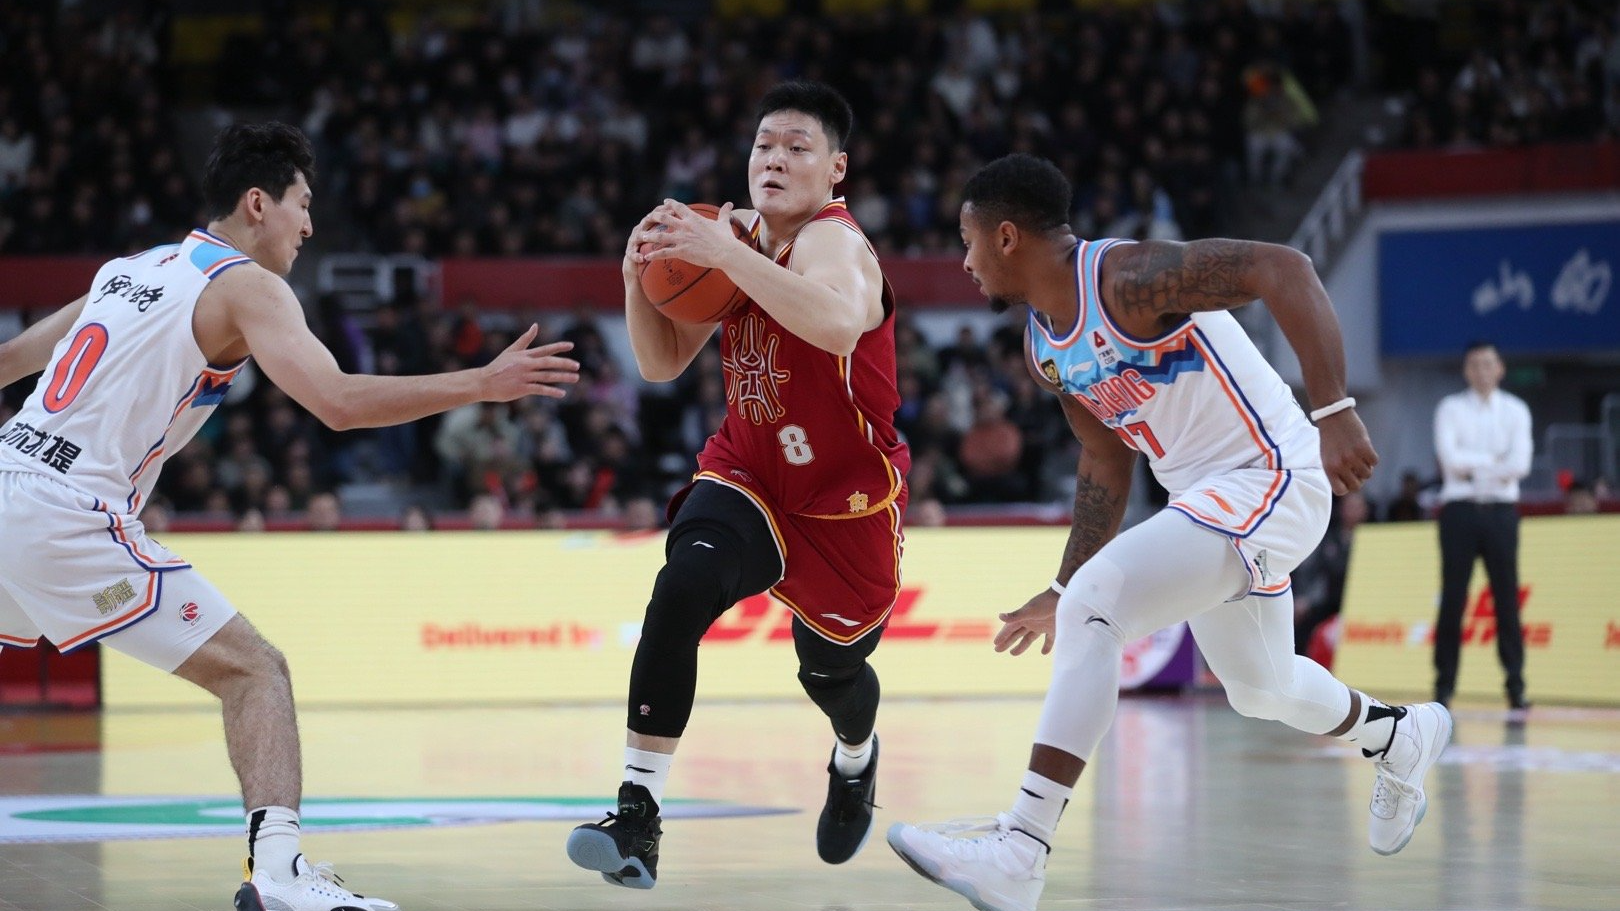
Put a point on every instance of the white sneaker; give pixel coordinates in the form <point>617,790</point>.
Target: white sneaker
<point>1398,801</point>
<point>316,888</point>
<point>986,861</point>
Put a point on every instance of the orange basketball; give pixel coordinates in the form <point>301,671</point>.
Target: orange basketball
<point>688,293</point>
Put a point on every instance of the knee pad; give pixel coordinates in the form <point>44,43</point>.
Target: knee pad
<point>696,584</point>
<point>848,696</point>
<point>1254,702</point>
<point>1091,601</point>
<point>817,679</point>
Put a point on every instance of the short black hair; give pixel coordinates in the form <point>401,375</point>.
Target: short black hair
<point>817,99</point>
<point>269,156</point>
<point>1028,191</point>
<point>1478,344</point>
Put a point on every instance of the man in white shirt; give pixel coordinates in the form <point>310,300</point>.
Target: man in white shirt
<point>1482,439</point>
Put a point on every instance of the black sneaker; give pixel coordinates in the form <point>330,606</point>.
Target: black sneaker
<point>846,820</point>
<point>624,846</point>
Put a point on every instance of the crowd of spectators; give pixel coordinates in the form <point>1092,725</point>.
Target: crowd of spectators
<point>513,135</point>
<point>89,149</point>
<point>522,134</point>
<point>501,138</point>
<point>1527,72</point>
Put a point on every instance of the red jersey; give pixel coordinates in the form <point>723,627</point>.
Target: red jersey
<point>812,430</point>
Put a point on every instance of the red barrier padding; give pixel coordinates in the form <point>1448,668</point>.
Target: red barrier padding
<point>1552,167</point>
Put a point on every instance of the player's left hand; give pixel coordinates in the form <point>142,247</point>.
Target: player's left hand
<point>1347,453</point>
<point>676,232</point>
<point>1036,619</point>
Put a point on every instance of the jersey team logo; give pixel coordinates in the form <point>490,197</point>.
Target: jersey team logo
<point>753,381</point>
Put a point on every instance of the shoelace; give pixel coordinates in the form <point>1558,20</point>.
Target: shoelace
<point>324,871</point>
<point>846,806</point>
<point>1387,792</point>
<point>962,825</point>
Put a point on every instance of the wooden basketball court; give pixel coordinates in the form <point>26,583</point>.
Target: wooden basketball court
<point>1189,806</point>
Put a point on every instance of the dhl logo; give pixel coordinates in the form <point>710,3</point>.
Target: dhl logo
<point>763,618</point>
<point>1479,627</point>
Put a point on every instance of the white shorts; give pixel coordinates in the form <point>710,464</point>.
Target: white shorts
<point>1274,519</point>
<point>74,574</point>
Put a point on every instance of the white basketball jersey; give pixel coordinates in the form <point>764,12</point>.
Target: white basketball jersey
<point>1197,400</point>
<point>127,387</point>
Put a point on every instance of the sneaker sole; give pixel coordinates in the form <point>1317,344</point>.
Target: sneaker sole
<point>924,869</point>
<point>1438,745</point>
<point>248,899</point>
<point>865,837</point>
<point>598,851</point>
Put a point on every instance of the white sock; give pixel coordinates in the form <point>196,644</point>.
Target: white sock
<point>1039,805</point>
<point>850,759</point>
<point>1374,727</point>
<point>648,769</point>
<point>273,842</point>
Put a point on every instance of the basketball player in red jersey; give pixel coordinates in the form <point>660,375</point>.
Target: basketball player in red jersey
<point>801,490</point>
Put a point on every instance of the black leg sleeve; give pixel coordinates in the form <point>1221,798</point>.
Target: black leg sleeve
<point>719,551</point>
<point>838,679</point>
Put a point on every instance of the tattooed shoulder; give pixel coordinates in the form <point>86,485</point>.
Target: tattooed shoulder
<point>1162,277</point>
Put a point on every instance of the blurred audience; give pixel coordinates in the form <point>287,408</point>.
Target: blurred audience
<point>1518,73</point>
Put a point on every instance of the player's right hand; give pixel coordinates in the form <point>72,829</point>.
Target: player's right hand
<point>1036,619</point>
<point>521,370</point>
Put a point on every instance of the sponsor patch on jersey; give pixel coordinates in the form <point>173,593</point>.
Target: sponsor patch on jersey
<point>114,596</point>
<point>1107,355</point>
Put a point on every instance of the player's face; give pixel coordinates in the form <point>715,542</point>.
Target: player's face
<point>982,260</point>
<point>286,223</point>
<point>792,168</point>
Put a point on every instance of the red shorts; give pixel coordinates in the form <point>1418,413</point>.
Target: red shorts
<point>841,576</point>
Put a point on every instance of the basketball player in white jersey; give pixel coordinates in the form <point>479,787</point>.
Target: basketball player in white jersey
<point>131,371</point>
<point>1135,340</point>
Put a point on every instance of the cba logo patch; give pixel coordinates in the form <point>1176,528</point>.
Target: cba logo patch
<point>190,612</point>
<point>1049,368</point>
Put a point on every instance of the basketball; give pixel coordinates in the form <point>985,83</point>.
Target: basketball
<point>688,293</point>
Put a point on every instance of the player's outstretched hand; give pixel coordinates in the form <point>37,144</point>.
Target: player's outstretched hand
<point>680,233</point>
<point>1020,628</point>
<point>1347,453</point>
<point>521,370</point>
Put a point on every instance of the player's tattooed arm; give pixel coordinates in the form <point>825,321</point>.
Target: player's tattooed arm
<point>1102,480</point>
<point>1102,483</point>
<point>1159,277</point>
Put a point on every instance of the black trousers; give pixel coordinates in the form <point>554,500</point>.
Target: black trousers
<point>1470,531</point>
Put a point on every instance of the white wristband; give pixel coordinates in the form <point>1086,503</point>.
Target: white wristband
<point>1057,586</point>
<point>1343,404</point>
